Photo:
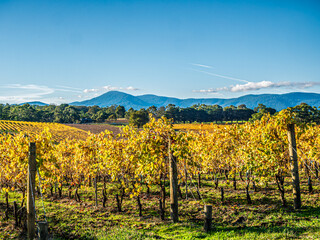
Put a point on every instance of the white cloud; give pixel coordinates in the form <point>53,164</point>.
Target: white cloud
<point>42,90</point>
<point>109,88</point>
<point>253,86</point>
<point>210,90</point>
<point>250,86</point>
<point>91,90</point>
<point>17,93</point>
<point>130,88</point>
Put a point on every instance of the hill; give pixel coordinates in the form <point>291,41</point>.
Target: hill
<point>114,98</point>
<point>277,101</point>
<point>36,103</point>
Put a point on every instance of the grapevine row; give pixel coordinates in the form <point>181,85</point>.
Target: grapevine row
<point>135,159</point>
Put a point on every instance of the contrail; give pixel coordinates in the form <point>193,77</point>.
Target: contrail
<point>221,76</point>
<point>200,65</point>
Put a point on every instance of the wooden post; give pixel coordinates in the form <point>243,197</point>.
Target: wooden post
<point>310,184</point>
<point>199,180</point>
<point>15,213</point>
<point>43,231</point>
<point>31,191</point>
<point>186,177</point>
<point>96,190</point>
<point>173,186</point>
<point>294,166</point>
<point>208,218</point>
<point>222,195</point>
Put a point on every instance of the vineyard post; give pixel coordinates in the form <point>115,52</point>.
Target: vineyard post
<point>43,230</point>
<point>208,218</point>
<point>31,191</point>
<point>173,185</point>
<point>15,212</point>
<point>96,190</point>
<point>294,166</point>
<point>186,178</point>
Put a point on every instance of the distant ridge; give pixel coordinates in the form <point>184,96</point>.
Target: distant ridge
<point>35,103</point>
<point>277,101</point>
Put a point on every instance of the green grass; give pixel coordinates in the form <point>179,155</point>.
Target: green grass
<point>232,219</point>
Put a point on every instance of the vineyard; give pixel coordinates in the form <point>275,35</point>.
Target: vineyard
<point>197,127</point>
<point>122,180</point>
<point>57,130</point>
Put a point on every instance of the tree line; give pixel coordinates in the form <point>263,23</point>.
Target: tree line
<point>65,113</point>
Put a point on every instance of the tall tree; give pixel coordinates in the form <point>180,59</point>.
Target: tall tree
<point>120,111</point>
<point>139,118</point>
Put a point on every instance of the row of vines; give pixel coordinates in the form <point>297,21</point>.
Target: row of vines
<point>58,131</point>
<point>135,160</point>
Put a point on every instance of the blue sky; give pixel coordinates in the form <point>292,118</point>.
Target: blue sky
<point>64,51</point>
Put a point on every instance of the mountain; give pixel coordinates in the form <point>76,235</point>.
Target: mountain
<point>277,101</point>
<point>35,103</point>
<point>114,98</point>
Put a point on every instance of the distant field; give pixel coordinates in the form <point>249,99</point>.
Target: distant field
<point>59,131</point>
<point>202,126</point>
<point>95,128</point>
<point>114,126</point>
<point>195,126</point>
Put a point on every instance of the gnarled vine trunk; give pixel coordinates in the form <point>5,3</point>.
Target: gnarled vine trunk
<point>280,184</point>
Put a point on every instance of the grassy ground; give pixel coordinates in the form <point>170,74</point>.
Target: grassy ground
<point>232,219</point>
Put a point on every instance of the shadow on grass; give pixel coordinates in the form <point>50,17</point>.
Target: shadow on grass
<point>286,230</point>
